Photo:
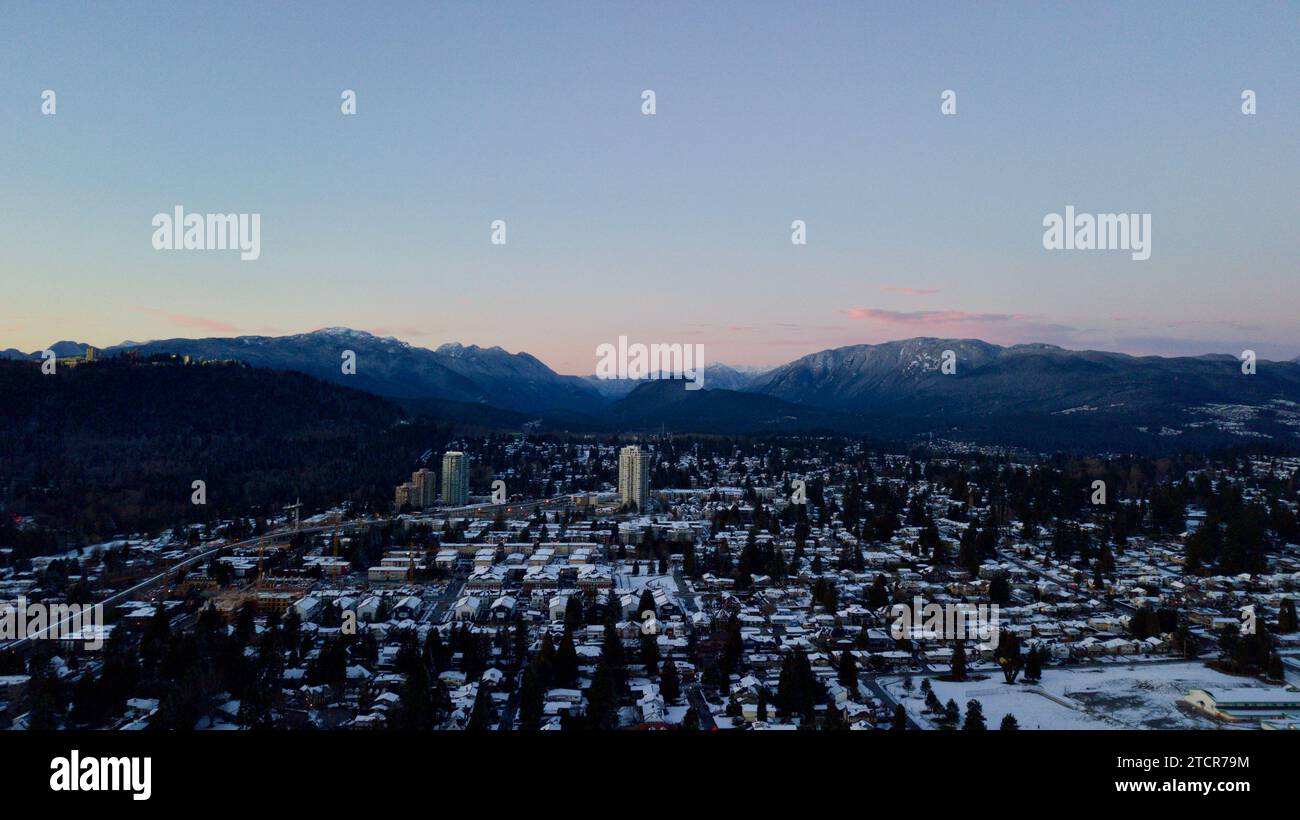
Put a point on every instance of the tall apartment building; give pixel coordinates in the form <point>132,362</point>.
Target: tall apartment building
<point>426,488</point>
<point>455,479</point>
<point>634,476</point>
<point>405,494</point>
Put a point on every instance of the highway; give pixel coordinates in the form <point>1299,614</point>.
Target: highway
<point>287,532</point>
<point>155,580</point>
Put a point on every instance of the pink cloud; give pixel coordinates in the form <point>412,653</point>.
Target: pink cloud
<point>999,328</point>
<point>186,320</point>
<point>928,317</point>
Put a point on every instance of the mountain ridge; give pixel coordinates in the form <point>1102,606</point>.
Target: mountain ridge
<point>900,386</point>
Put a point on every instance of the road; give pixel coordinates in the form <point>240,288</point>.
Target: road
<point>694,694</point>
<point>887,704</point>
<point>696,698</point>
<point>155,580</point>
<point>115,598</point>
<point>444,599</point>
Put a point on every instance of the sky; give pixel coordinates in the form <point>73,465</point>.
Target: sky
<point>673,227</point>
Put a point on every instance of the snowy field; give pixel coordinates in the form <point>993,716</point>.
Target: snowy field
<point>1120,696</point>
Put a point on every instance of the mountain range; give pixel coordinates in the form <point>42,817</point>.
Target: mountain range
<point>1023,395</point>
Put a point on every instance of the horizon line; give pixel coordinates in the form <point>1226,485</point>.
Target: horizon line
<point>324,329</point>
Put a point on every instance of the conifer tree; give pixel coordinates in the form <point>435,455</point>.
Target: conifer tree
<point>531,700</point>
<point>565,666</point>
<point>959,660</point>
<point>669,681</point>
<point>1008,656</point>
<point>480,715</point>
<point>900,718</point>
<point>848,672</point>
<point>1286,616</point>
<point>691,720</point>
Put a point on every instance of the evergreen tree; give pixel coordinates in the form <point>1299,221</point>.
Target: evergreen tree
<point>531,699</point>
<point>691,720</point>
<point>833,720</point>
<point>565,665</point>
<point>1008,656</point>
<point>602,697</point>
<point>480,715</point>
<point>544,661</point>
<point>245,624</point>
<point>959,660</point>
<point>848,672</point>
<point>612,651</point>
<point>878,597</point>
<point>1000,591</point>
<point>650,653</point>
<point>1274,668</point>
<point>519,633</point>
<point>932,704</point>
<point>415,709</point>
<point>733,650</point>
<point>1009,723</point>
<point>1229,641</point>
<point>669,681</point>
<point>900,718</point>
<point>1034,664</point>
<point>1286,616</point>
<point>1184,642</point>
<point>155,640</point>
<point>647,604</point>
<point>573,615</point>
<point>44,698</point>
<point>974,717</point>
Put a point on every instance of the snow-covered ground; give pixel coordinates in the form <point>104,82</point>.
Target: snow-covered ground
<point>624,579</point>
<point>1120,696</point>
<point>42,561</point>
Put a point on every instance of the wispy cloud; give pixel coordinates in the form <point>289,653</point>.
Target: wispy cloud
<point>1000,328</point>
<point>929,317</point>
<point>186,320</point>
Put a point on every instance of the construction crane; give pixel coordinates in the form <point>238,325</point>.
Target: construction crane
<point>334,547</point>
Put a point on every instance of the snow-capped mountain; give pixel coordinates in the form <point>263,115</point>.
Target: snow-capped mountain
<point>1028,395</point>
<point>716,377</point>
<point>391,367</point>
<point>907,377</point>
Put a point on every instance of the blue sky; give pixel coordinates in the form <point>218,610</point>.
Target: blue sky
<point>671,228</point>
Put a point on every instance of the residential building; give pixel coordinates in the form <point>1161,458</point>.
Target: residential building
<point>455,479</point>
<point>634,476</point>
